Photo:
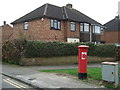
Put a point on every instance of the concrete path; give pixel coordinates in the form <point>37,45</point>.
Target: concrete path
<point>41,79</point>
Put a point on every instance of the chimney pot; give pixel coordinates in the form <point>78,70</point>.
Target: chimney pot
<point>69,5</point>
<point>117,17</point>
<point>4,23</point>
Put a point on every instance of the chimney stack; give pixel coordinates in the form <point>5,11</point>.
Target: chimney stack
<point>69,5</point>
<point>4,22</point>
<point>117,17</point>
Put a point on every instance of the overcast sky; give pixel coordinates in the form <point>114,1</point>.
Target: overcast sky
<point>100,10</point>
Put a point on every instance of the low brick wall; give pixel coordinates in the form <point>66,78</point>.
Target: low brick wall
<point>64,60</point>
<point>49,61</point>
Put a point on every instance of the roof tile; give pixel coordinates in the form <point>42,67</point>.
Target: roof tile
<point>61,13</point>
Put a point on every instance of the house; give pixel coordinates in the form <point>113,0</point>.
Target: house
<point>53,23</point>
<point>112,31</point>
<point>6,32</point>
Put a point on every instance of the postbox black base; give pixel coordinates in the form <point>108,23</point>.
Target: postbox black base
<point>82,75</point>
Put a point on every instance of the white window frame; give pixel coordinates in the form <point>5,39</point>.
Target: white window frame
<point>72,26</point>
<point>86,27</point>
<point>25,25</point>
<point>81,27</point>
<point>97,30</point>
<point>55,24</point>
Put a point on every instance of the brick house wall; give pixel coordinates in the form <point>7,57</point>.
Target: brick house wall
<point>73,34</point>
<point>40,30</point>
<point>111,37</point>
<point>7,32</point>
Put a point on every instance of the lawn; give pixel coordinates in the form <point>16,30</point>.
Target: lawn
<point>94,75</point>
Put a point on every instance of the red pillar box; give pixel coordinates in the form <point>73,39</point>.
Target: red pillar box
<point>82,61</point>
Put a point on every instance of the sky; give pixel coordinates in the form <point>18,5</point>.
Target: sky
<point>100,10</point>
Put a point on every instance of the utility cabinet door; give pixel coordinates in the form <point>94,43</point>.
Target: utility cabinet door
<point>108,73</point>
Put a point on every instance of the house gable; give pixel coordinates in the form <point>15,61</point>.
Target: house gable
<point>112,31</point>
<point>113,25</point>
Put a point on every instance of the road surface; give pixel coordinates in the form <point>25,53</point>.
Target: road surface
<point>9,84</point>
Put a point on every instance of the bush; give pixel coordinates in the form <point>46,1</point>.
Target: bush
<point>50,49</point>
<point>105,50</point>
<point>12,51</point>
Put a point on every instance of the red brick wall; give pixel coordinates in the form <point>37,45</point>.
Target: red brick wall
<point>40,30</point>
<point>7,32</point>
<point>73,34</point>
<point>111,37</point>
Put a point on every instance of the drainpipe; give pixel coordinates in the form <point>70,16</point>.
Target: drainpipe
<point>119,9</point>
<point>91,33</point>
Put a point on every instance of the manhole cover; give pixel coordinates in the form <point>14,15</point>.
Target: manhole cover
<point>31,79</point>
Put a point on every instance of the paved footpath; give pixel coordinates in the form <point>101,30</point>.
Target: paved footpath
<point>31,76</point>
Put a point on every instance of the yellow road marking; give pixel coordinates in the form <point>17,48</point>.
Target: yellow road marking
<point>11,83</point>
<point>16,83</point>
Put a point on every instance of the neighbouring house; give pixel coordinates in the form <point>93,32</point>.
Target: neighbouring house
<point>53,23</point>
<point>112,31</point>
<point>6,32</point>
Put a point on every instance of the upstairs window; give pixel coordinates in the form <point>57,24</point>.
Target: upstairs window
<point>86,27</point>
<point>72,26</point>
<point>81,27</point>
<point>55,24</point>
<point>97,29</point>
<point>25,25</point>
<point>102,31</point>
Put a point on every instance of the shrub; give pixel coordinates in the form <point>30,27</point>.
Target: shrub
<point>50,49</point>
<point>12,51</point>
<point>105,50</point>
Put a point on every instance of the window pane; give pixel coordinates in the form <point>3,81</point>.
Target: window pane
<point>72,26</point>
<point>58,24</point>
<point>51,23</point>
<point>55,24</point>
<point>97,29</point>
<point>86,27</point>
<point>81,26</point>
<point>25,25</point>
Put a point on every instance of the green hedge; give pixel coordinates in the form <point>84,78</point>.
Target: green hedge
<point>49,49</point>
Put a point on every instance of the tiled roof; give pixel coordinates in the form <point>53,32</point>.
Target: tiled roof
<point>61,13</point>
<point>37,13</point>
<point>113,25</point>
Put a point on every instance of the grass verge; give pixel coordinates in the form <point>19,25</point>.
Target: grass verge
<point>94,75</point>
